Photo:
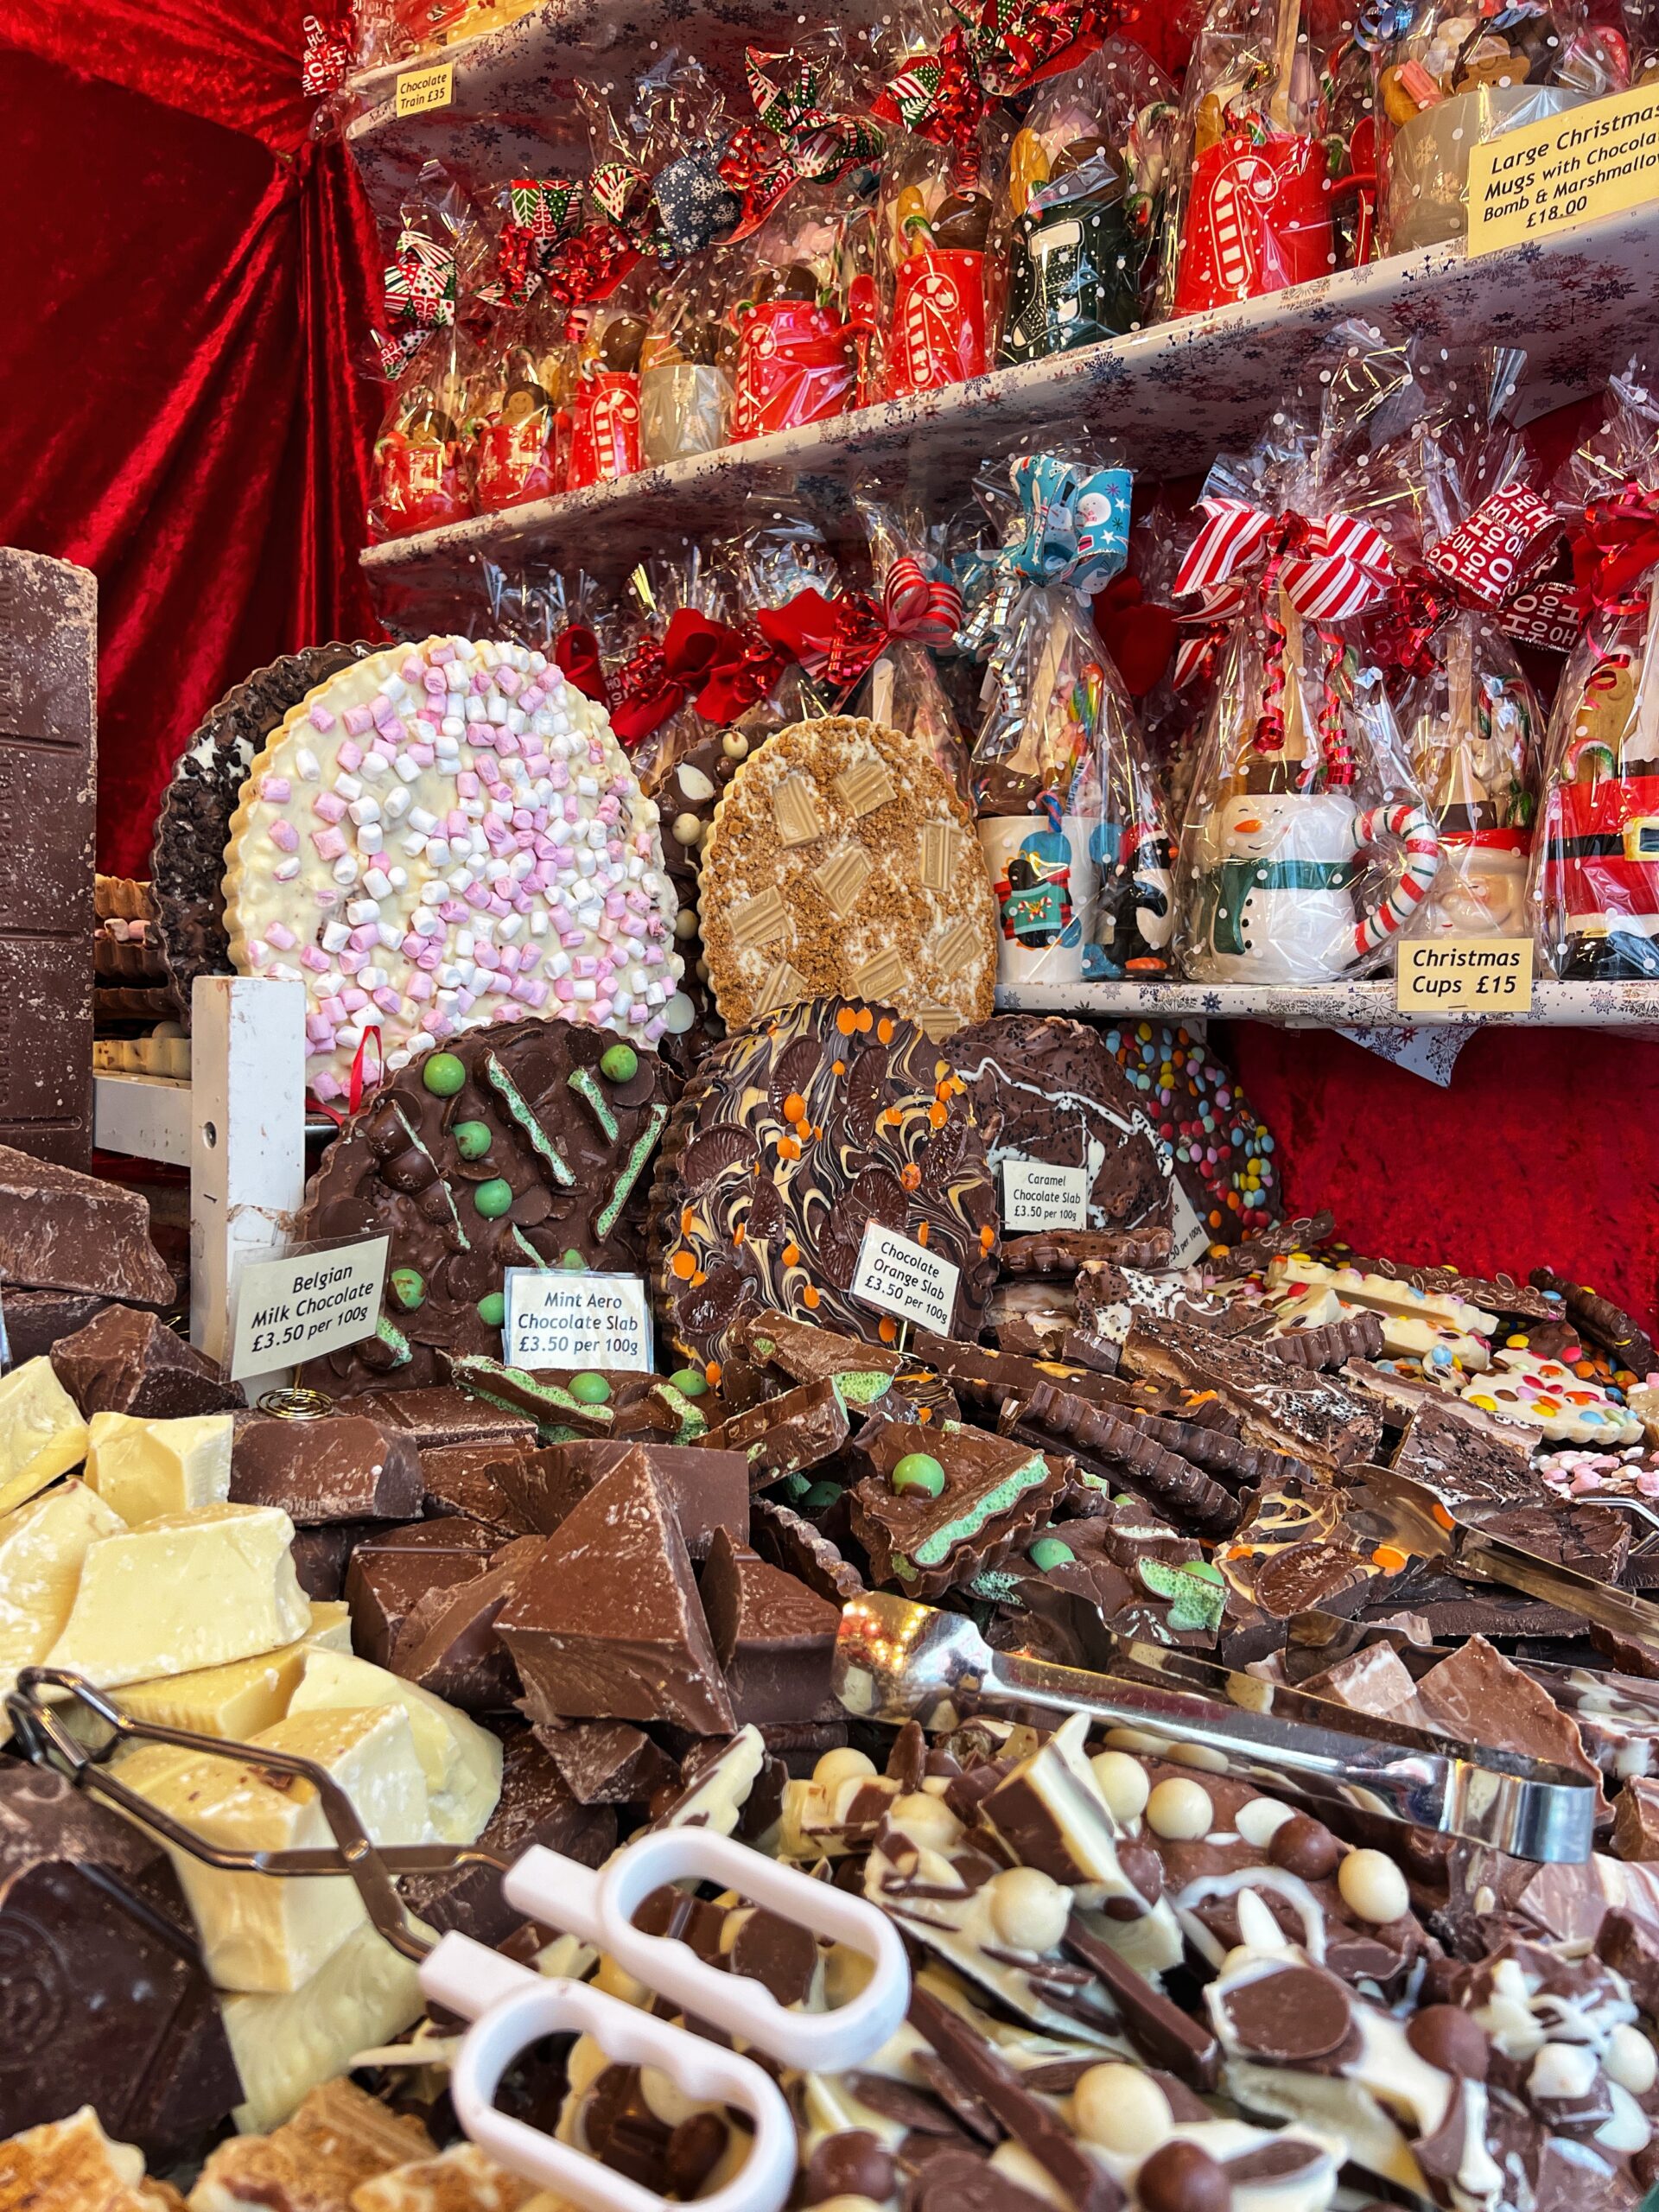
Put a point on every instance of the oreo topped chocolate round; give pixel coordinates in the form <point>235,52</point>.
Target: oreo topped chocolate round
<point>1047,1090</point>
<point>193,826</point>
<point>795,1135</point>
<point>522,1144</point>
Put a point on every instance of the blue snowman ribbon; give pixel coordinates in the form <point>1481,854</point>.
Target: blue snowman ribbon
<point>1072,527</point>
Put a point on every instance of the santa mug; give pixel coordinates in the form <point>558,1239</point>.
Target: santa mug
<point>1274,885</point>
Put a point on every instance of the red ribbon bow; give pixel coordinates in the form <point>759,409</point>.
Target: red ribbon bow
<point>575,654</point>
<point>917,605</point>
<point>1615,548</point>
<point>837,640</point>
<point>937,96</point>
<point>724,672</point>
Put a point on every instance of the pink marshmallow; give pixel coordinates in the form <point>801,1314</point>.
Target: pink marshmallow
<point>328,806</point>
<point>320,718</point>
<point>329,843</point>
<point>284,836</point>
<point>282,937</point>
<point>276,790</point>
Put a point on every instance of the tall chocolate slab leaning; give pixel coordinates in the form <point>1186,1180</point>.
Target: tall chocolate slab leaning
<point>48,790</point>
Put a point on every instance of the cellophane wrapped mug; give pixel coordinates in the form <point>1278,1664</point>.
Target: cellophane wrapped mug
<point>686,363</point>
<point>519,409</point>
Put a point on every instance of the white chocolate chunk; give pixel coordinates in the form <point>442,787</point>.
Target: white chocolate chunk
<point>42,1547</point>
<point>461,1761</point>
<point>331,1625</point>
<point>42,1433</point>
<point>259,1932</point>
<point>142,1469</point>
<point>365,1994</point>
<point>231,1702</point>
<point>191,1590</point>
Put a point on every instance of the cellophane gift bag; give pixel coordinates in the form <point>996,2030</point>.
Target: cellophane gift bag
<point>520,408</point>
<point>687,360</point>
<point>921,613</point>
<point>1069,816</point>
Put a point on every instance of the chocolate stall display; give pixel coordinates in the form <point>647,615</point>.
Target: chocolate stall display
<point>1069,816</point>
<point>1251,210</point>
<point>365,860</point>
<point>193,822</point>
<point>1595,881</point>
<point>1450,77</point>
<point>1083,199</point>
<point>524,1145</point>
<point>794,1136</point>
<point>840,862</point>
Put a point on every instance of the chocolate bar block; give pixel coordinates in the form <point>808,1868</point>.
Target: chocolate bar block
<point>61,1230</point>
<point>456,1478</point>
<point>707,1489</point>
<point>391,1572</point>
<point>773,1636</point>
<point>125,1361</point>
<point>340,1468</point>
<point>49,793</point>
<point>442,1414</point>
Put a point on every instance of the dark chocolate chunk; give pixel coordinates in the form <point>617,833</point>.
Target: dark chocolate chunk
<point>48,790</point>
<point>1163,1477</point>
<point>1470,1458</point>
<point>707,1489</point>
<point>1627,1343</point>
<point>340,1468</point>
<point>391,1573</point>
<point>62,1230</point>
<point>772,1636</point>
<point>125,1361</point>
<point>320,1557</point>
<point>607,1763</point>
<point>36,1320</point>
<point>607,1623</point>
<point>784,1540</point>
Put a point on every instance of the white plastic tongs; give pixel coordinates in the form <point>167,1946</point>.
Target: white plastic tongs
<point>511,2006</point>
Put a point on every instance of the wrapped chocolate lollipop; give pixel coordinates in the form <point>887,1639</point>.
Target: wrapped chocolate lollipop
<point>520,408</point>
<point>686,362</point>
<point>922,610</point>
<point>1081,199</point>
<point>1251,210</point>
<point>1455,74</point>
<point>1068,815</point>
<point>1595,885</point>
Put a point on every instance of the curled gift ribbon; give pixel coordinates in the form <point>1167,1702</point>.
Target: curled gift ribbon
<point>797,137</point>
<point>1014,42</point>
<point>919,606</point>
<point>1072,527</point>
<point>1616,548</point>
<point>835,641</point>
<point>541,215</point>
<point>936,96</point>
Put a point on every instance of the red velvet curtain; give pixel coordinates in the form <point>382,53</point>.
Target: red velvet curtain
<point>189,275</point>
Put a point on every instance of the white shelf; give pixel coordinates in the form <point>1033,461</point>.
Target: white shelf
<point>146,1116</point>
<point>1579,301</point>
<point>1633,1007</point>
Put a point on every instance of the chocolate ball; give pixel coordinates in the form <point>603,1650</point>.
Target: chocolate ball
<point>1183,2179</point>
<point>963,222</point>
<point>695,2149</point>
<point>853,2164</point>
<point>1446,2037</point>
<point>1143,1868</point>
<point>619,343</point>
<point>1304,1847</point>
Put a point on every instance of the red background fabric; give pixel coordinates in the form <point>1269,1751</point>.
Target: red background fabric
<point>189,281</point>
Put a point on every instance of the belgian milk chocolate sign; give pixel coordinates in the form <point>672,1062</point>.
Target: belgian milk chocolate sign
<point>310,1303</point>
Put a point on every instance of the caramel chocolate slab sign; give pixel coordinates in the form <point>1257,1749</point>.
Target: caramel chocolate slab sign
<point>1472,974</point>
<point>556,1320</point>
<point>421,91</point>
<point>1566,169</point>
<point>1036,1195</point>
<point>898,1276</point>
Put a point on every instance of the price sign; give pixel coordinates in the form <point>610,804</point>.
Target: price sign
<point>1191,1237</point>
<point>310,1303</point>
<point>1599,159</point>
<point>1465,975</point>
<point>560,1320</point>
<point>420,91</point>
<point>1037,1196</point>
<point>898,1276</point>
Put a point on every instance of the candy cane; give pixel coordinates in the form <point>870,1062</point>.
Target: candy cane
<point>1422,843</point>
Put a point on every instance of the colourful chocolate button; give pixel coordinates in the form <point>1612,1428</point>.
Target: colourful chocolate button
<point>1048,1551</point>
<point>471,1139</point>
<point>492,1310</point>
<point>620,1063</point>
<point>407,1287</point>
<point>689,1381</point>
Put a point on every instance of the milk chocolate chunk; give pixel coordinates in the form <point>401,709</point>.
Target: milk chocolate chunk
<point>37,1321</point>
<point>1161,2033</point>
<point>607,1623</point>
<point>391,1573</point>
<point>1635,1821</point>
<point>607,1763</point>
<point>1629,1943</point>
<point>786,1436</point>
<point>995,1494</point>
<point>107,2000</point>
<point>448,1643</point>
<point>806,1353</point>
<point>443,1413</point>
<point>48,784</point>
<point>1479,1695</point>
<point>456,1478</point>
<point>340,1468</point>
<point>321,1556</point>
<point>1290,2016</point>
<point>707,1489</point>
<point>1314,1419</point>
<point>773,1636</point>
<point>125,1361</point>
<point>61,1231</point>
<point>784,1540</point>
<point>537,1805</point>
<point>1046,1091</point>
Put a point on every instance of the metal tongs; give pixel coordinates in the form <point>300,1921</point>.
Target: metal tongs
<point>896,1661</point>
<point>511,2006</point>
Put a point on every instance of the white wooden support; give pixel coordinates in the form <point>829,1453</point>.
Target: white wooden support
<point>247,1145</point>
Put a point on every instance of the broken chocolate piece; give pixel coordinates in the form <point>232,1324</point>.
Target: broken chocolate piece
<point>707,1489</point>
<point>125,1361</point>
<point>1160,2031</point>
<point>786,1436</point>
<point>340,1468</point>
<point>321,1556</point>
<point>606,1762</point>
<point>1629,1345</point>
<point>1316,1421</point>
<point>448,1644</point>
<point>441,1414</point>
<point>1469,1457</point>
<point>63,1230</point>
<point>1356,1335</point>
<point>774,1638</point>
<point>456,1478</point>
<point>1635,1821</point>
<point>1058,1251</point>
<point>1164,1478</point>
<point>993,1495</point>
<point>391,1571</point>
<point>1479,1695</point>
<point>785,1541</point>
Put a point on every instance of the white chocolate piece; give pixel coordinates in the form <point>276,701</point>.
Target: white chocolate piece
<point>258,1932</point>
<point>232,1702</point>
<point>191,1590</point>
<point>461,1761</point>
<point>142,1469</point>
<point>1121,2110</point>
<point>1123,1783</point>
<point>42,1546</point>
<point>1630,2060</point>
<point>1180,1811</point>
<point>363,1996</point>
<point>928,1818</point>
<point>839,1766</point>
<point>1260,1819</point>
<point>1372,1887</point>
<point>331,1625</point>
<point>42,1433</point>
<point>1029,1909</point>
<point>1546,1395</point>
<point>1385,1294</point>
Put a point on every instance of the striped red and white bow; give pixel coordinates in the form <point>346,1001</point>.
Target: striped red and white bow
<point>917,605</point>
<point>1330,567</point>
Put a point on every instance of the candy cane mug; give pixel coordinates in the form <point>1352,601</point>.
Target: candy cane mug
<point>1274,886</point>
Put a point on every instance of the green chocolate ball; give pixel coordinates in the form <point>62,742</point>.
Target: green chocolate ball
<point>820,1496</point>
<point>493,1309</point>
<point>1049,1552</point>
<point>471,1139</point>
<point>590,1389</point>
<point>919,1471</point>
<point>573,1263</point>
<point>493,1199</point>
<point>407,1287</point>
<point>619,1065</point>
<point>689,1381</point>
<point>442,1074</point>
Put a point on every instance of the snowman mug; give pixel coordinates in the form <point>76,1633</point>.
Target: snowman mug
<point>1275,879</point>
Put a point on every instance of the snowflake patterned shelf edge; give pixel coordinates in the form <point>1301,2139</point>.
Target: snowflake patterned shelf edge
<point>1172,395</point>
<point>1633,1007</point>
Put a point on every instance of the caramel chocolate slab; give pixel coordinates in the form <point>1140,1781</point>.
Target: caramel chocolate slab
<point>1316,1421</point>
<point>1055,1251</point>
